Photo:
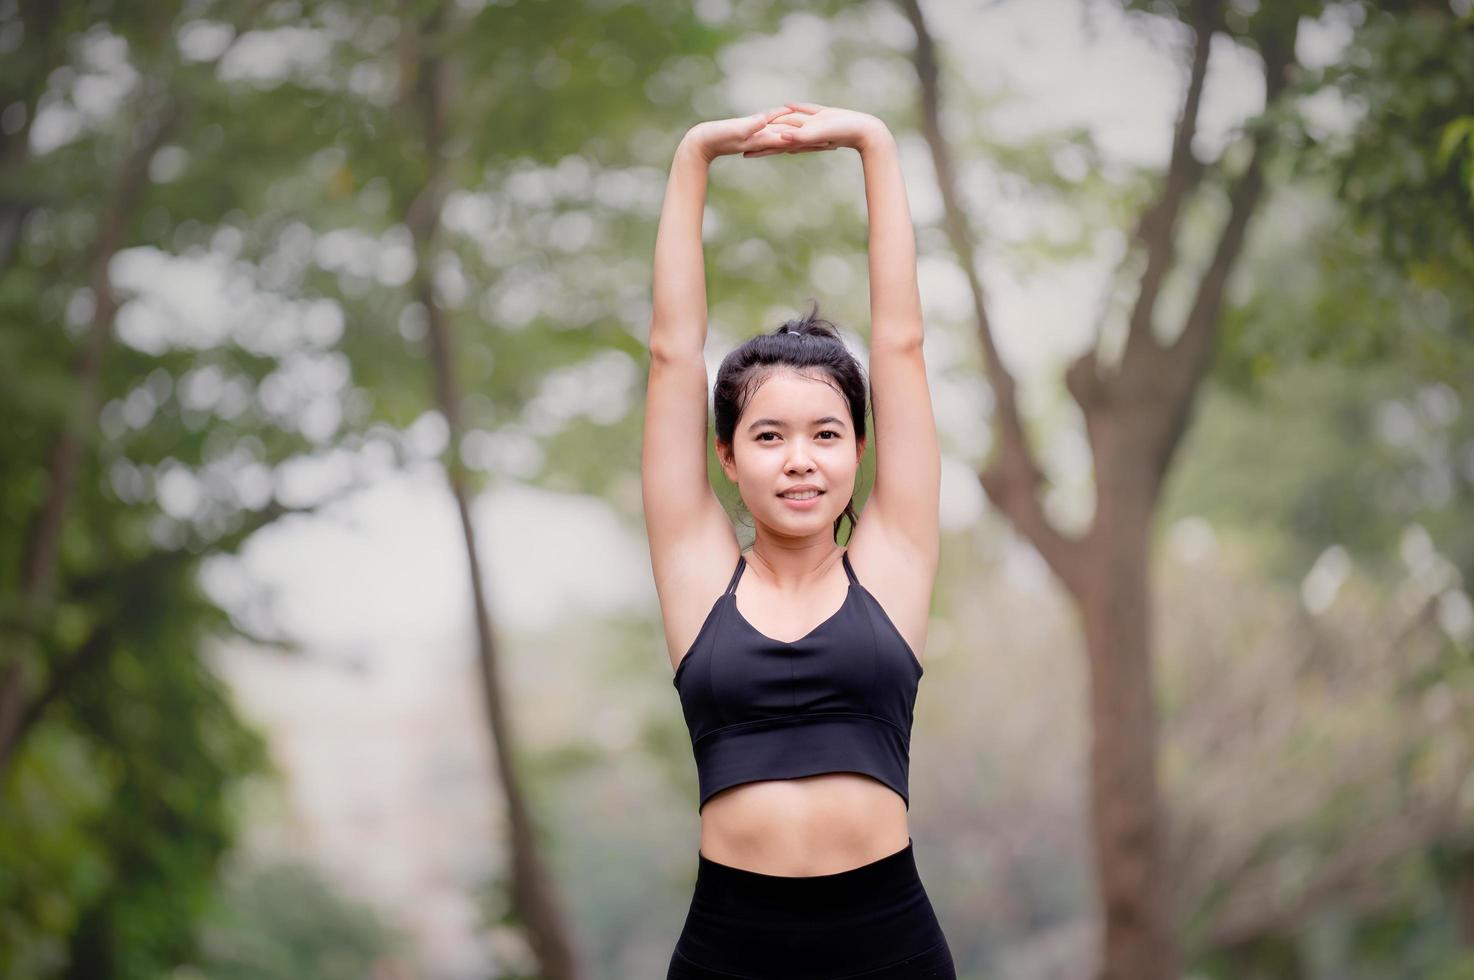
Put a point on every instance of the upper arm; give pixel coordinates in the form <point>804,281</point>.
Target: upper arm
<point>692,544</point>
<point>906,499</point>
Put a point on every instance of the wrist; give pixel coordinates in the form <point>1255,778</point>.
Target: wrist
<point>692,147</point>
<point>873,135</point>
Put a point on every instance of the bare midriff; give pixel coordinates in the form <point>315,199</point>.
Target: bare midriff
<point>811,825</point>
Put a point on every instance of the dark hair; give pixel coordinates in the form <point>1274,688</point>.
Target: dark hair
<point>809,344</point>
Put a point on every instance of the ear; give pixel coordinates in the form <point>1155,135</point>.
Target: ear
<point>726,459</point>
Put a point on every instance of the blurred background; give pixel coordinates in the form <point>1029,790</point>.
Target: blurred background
<point>311,310</point>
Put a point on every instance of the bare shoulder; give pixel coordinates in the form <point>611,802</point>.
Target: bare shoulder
<point>691,572</point>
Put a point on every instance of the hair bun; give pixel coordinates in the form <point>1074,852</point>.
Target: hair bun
<point>812,325</point>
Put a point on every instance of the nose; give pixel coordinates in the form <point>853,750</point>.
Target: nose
<point>799,460</point>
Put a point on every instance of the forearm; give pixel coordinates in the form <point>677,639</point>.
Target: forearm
<point>895,300</point>
<point>678,310</point>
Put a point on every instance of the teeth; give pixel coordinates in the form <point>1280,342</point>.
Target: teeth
<point>803,495</point>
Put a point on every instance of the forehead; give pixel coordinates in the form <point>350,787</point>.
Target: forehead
<point>789,395</point>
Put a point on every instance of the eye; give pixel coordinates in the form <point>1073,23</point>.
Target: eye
<point>761,435</point>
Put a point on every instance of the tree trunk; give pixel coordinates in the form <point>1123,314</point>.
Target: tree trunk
<point>533,893</point>
<point>1135,416</point>
<point>43,538</point>
<point>1129,829</point>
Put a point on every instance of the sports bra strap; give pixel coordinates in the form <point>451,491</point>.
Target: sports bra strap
<point>845,557</point>
<point>736,574</point>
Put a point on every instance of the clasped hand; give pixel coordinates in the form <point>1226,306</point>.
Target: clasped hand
<point>794,127</point>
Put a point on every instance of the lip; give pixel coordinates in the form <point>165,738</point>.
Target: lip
<point>801,504</point>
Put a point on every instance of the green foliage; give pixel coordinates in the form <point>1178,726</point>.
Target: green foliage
<point>119,811</point>
<point>119,805</point>
<point>51,865</point>
<point>1358,325</point>
<point>561,120</point>
<point>1324,454</point>
<point>1406,171</point>
<point>284,922</point>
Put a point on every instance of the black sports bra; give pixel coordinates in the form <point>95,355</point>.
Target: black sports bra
<point>838,699</point>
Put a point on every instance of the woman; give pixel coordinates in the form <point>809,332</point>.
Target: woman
<point>801,732</point>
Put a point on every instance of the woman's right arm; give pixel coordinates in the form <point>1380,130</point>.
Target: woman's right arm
<point>692,545</point>
<point>678,310</point>
<point>690,536</point>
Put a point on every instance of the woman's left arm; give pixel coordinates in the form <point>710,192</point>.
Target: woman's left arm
<point>907,457</point>
<point>895,300</point>
<point>908,465</point>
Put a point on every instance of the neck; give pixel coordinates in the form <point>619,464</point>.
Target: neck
<point>794,565</point>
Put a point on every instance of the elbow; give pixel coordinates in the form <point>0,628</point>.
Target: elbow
<point>664,349</point>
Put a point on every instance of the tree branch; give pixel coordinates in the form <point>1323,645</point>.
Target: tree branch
<point>43,535</point>
<point>1014,479</point>
<point>1156,231</point>
<point>1349,871</point>
<point>1188,358</point>
<point>100,643</point>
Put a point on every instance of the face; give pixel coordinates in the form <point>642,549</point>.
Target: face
<point>795,430</point>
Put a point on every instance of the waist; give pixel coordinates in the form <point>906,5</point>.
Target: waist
<point>804,826</point>
<point>894,870</point>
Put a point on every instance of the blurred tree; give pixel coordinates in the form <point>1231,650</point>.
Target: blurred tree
<point>113,823</point>
<point>282,921</point>
<point>419,199</point>
<point>125,466</point>
<point>1138,405</point>
<point>529,380</point>
<point>1336,437</point>
<point>298,184</point>
<point>1380,356</point>
<point>262,145</point>
<point>1313,831</point>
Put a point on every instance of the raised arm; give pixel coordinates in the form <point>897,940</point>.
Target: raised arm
<point>908,463</point>
<point>678,288</point>
<point>691,539</point>
<point>678,303</point>
<point>905,502</point>
<point>895,300</point>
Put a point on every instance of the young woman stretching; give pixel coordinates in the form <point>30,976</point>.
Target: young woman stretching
<point>797,681</point>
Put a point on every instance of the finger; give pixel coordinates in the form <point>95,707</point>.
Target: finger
<point>768,136</point>
<point>765,132</point>
<point>757,143</point>
<point>809,107</point>
<point>758,120</point>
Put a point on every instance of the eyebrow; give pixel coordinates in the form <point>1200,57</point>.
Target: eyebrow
<point>778,423</point>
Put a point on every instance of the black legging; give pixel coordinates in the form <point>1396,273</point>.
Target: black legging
<point>873,922</point>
